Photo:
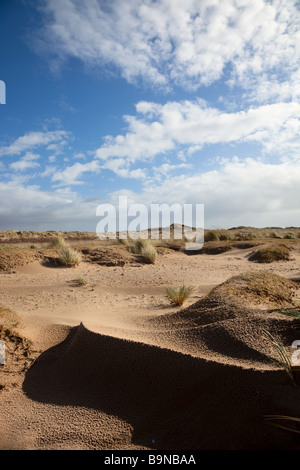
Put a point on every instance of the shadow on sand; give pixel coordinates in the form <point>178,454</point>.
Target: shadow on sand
<point>180,401</point>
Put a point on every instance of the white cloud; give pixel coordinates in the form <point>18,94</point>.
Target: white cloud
<point>235,193</point>
<point>238,192</point>
<point>158,129</point>
<point>120,167</point>
<point>26,162</point>
<point>32,140</point>
<point>189,42</point>
<point>48,171</point>
<point>31,208</point>
<point>70,175</point>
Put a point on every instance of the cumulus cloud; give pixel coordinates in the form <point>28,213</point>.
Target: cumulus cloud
<point>30,207</point>
<point>69,176</point>
<point>188,43</point>
<point>238,192</point>
<point>28,161</point>
<point>158,129</point>
<point>32,140</point>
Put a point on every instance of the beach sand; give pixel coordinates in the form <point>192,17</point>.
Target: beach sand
<point>113,364</point>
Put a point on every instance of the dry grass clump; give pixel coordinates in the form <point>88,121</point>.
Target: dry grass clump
<point>69,257</point>
<point>211,236</point>
<point>274,235</point>
<point>258,287</point>
<point>80,281</point>
<point>123,241</point>
<point>225,235</point>
<point>270,253</point>
<point>149,254</point>
<point>144,248</point>
<point>290,236</point>
<point>58,242</point>
<point>179,294</point>
<point>136,246</point>
<point>243,236</point>
<point>213,248</point>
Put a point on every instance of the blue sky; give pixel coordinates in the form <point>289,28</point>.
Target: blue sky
<point>166,101</point>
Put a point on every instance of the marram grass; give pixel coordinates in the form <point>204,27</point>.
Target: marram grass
<point>179,294</point>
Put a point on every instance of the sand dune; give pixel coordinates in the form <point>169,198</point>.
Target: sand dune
<point>114,365</point>
<point>171,398</point>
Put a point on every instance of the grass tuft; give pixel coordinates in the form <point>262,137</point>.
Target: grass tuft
<point>58,242</point>
<point>179,294</point>
<point>149,254</point>
<point>144,248</point>
<point>284,359</point>
<point>80,281</point>
<point>69,257</point>
<point>211,236</point>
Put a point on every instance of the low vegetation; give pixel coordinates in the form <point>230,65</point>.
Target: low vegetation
<point>271,253</point>
<point>58,242</point>
<point>136,246</point>
<point>259,287</point>
<point>215,248</point>
<point>80,281</point>
<point>69,257</point>
<point>283,357</point>
<point>149,254</point>
<point>179,294</point>
<point>144,248</point>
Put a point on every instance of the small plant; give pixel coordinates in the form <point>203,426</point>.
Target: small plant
<point>211,236</point>
<point>149,254</point>
<point>179,294</point>
<point>69,257</point>
<point>144,248</point>
<point>123,241</point>
<point>274,235</point>
<point>81,281</point>
<point>136,246</point>
<point>58,242</point>
<point>284,360</point>
<point>242,236</point>
<point>290,236</point>
<point>225,235</point>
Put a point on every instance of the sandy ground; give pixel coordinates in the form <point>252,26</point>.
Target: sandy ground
<point>112,371</point>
